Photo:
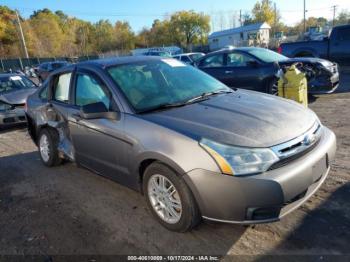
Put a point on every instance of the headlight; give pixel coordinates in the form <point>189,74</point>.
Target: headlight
<point>239,160</point>
<point>5,107</point>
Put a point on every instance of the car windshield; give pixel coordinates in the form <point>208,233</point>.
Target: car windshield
<point>266,55</point>
<point>12,83</point>
<point>150,84</point>
<point>195,57</point>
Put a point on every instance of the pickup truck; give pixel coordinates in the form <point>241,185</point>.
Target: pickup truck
<point>335,47</point>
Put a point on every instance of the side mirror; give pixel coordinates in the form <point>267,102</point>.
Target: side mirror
<point>252,63</point>
<point>96,111</point>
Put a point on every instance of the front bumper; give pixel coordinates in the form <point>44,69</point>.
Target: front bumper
<point>15,116</point>
<point>266,197</point>
<point>324,84</point>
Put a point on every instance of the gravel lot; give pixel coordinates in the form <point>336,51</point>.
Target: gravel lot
<point>69,210</point>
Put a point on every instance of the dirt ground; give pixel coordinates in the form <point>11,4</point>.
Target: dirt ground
<point>69,210</point>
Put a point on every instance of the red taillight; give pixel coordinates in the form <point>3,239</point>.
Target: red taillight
<point>279,50</point>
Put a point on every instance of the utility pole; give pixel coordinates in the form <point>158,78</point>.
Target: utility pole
<point>334,9</point>
<point>275,20</point>
<point>22,36</point>
<point>304,18</point>
<point>240,17</point>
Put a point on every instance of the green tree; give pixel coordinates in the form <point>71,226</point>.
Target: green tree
<point>9,41</point>
<point>103,33</point>
<point>264,12</point>
<point>343,18</point>
<point>47,28</point>
<point>188,27</point>
<point>124,36</point>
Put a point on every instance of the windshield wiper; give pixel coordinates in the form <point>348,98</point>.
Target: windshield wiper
<point>202,97</point>
<point>205,95</point>
<point>162,106</point>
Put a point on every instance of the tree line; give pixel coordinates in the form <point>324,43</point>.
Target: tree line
<point>55,34</point>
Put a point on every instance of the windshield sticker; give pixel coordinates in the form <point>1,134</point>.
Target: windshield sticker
<point>15,78</point>
<point>173,62</point>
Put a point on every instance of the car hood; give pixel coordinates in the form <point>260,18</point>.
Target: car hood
<point>243,118</point>
<point>16,97</point>
<point>311,60</point>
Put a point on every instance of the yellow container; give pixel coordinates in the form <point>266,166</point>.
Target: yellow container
<point>293,85</point>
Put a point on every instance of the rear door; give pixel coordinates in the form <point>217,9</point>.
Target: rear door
<point>339,47</point>
<point>242,71</point>
<point>99,143</point>
<point>214,65</point>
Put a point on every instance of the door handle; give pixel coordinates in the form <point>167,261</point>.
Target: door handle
<point>228,72</point>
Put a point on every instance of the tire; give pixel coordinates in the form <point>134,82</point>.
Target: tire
<point>188,216</point>
<point>47,144</point>
<point>272,87</point>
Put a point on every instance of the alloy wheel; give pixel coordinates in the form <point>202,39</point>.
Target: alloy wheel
<point>44,148</point>
<point>164,199</point>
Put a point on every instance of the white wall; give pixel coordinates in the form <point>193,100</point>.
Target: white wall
<point>235,39</point>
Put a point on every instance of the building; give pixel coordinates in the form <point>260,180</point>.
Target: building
<point>249,35</point>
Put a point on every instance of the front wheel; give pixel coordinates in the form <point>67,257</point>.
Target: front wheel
<point>169,199</point>
<point>272,87</point>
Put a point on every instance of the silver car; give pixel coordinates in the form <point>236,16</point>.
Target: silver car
<point>14,90</point>
<point>194,147</point>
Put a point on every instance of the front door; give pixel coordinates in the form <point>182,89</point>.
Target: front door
<point>339,48</point>
<point>214,66</point>
<point>99,143</point>
<point>242,71</point>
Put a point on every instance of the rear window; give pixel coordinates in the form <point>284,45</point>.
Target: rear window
<point>62,87</point>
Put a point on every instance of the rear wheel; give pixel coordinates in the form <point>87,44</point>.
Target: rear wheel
<point>169,199</point>
<point>48,141</point>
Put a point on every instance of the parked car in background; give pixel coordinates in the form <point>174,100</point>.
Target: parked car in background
<point>44,69</point>
<point>141,120</point>
<point>189,58</point>
<point>335,48</point>
<point>14,90</point>
<point>158,53</point>
<point>256,69</point>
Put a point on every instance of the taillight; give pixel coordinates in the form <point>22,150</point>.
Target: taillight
<point>279,50</point>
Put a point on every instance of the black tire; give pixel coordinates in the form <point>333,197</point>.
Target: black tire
<point>52,139</point>
<point>190,216</point>
<point>272,87</point>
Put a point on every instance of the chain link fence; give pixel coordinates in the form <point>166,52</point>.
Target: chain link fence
<point>20,63</point>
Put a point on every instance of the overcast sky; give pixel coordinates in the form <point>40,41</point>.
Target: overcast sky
<point>141,13</point>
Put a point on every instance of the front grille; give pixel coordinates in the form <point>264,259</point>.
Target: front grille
<point>296,148</point>
<point>290,159</point>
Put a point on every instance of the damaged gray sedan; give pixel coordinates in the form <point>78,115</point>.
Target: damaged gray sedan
<point>194,147</point>
<point>14,90</point>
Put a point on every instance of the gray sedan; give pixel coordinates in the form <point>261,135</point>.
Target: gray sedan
<point>14,90</point>
<point>194,147</point>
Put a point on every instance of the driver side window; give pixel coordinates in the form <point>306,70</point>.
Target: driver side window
<point>238,60</point>
<point>89,91</point>
<point>213,61</point>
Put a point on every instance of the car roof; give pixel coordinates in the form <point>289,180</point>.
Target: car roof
<point>227,50</point>
<point>9,75</point>
<point>106,62</point>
